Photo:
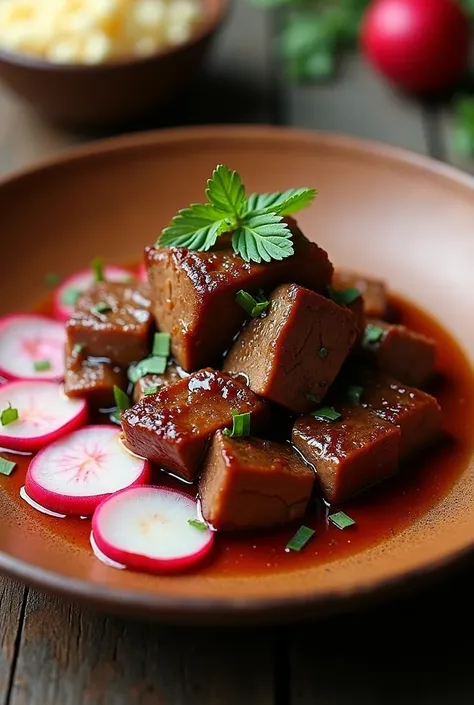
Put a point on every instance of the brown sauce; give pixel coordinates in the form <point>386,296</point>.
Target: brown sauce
<point>380,513</point>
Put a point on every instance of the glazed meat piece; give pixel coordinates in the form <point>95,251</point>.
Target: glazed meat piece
<point>416,413</point>
<point>374,291</point>
<point>357,308</point>
<point>399,352</point>
<point>92,379</point>
<point>248,483</point>
<point>354,452</point>
<point>173,427</point>
<point>292,354</point>
<point>113,320</point>
<point>154,382</point>
<point>194,292</point>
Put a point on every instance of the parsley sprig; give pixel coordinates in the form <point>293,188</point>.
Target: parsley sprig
<point>259,233</point>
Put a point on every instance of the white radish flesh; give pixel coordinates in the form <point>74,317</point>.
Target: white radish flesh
<point>31,348</point>
<point>66,295</point>
<point>44,414</point>
<point>75,474</point>
<point>147,529</point>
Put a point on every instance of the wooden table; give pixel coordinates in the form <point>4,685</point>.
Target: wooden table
<point>414,650</point>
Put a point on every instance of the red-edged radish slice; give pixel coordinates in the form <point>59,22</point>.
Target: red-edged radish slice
<point>143,274</point>
<point>31,347</point>
<point>75,474</point>
<point>45,414</point>
<point>147,529</point>
<point>66,295</point>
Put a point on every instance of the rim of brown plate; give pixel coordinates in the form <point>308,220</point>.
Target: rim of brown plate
<point>256,609</point>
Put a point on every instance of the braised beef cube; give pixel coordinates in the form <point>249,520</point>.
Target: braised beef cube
<point>173,427</point>
<point>399,352</point>
<point>350,454</point>
<point>152,383</point>
<point>194,293</point>
<point>113,320</point>
<point>374,291</point>
<point>416,413</point>
<point>92,379</point>
<point>292,354</point>
<point>248,483</point>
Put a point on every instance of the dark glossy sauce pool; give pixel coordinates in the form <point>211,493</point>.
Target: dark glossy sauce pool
<point>379,513</point>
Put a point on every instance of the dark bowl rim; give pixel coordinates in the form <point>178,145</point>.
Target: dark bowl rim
<point>210,25</point>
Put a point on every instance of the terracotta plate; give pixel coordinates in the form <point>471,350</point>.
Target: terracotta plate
<point>381,210</point>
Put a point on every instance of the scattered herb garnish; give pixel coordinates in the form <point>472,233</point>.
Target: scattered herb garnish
<point>161,344</point>
<point>253,306</point>
<point>116,417</point>
<point>326,413</point>
<point>344,297</point>
<point>354,393</point>
<point>256,222</point>
<point>341,520</point>
<point>240,425</point>
<point>51,280</point>
<point>97,266</point>
<point>323,352</point>
<point>42,365</point>
<point>121,399</point>
<point>9,415</point>
<point>373,334</point>
<point>300,539</point>
<point>200,525</point>
<point>70,296</point>
<point>77,349</point>
<point>101,308</point>
<point>150,390</point>
<point>150,366</point>
<point>6,466</point>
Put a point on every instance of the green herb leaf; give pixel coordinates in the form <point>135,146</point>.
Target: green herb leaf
<point>116,417</point>
<point>200,525</point>
<point>121,399</point>
<point>354,393</point>
<point>150,366</point>
<point>263,238</point>
<point>285,203</point>
<point>196,228</point>
<point>52,280</point>
<point>226,191</point>
<point>341,520</point>
<point>373,334</point>
<point>240,426</point>
<point>9,415</point>
<point>77,349</point>
<point>70,296</point>
<point>300,539</point>
<point>462,135</point>
<point>97,266</point>
<point>150,390</point>
<point>253,306</point>
<point>162,344</point>
<point>326,413</point>
<point>323,352</point>
<point>6,466</point>
<point>42,365</point>
<point>344,297</point>
<point>101,308</point>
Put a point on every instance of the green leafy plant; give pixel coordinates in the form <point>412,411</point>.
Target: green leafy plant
<point>462,133</point>
<point>259,232</point>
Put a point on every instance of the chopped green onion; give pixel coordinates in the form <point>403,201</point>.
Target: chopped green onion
<point>6,467</point>
<point>51,280</point>
<point>344,297</point>
<point>240,425</point>
<point>354,393</point>
<point>162,344</point>
<point>373,334</point>
<point>121,399</point>
<point>200,525</point>
<point>9,415</point>
<point>102,307</point>
<point>116,417</point>
<point>70,296</point>
<point>150,366</point>
<point>341,520</point>
<point>300,539</point>
<point>42,365</point>
<point>326,413</point>
<point>323,352</point>
<point>97,266</point>
<point>254,307</point>
<point>150,390</point>
<point>77,349</point>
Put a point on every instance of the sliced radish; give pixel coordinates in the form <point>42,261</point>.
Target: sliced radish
<point>31,347</point>
<point>66,295</point>
<point>147,529</point>
<point>75,474</point>
<point>45,414</point>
